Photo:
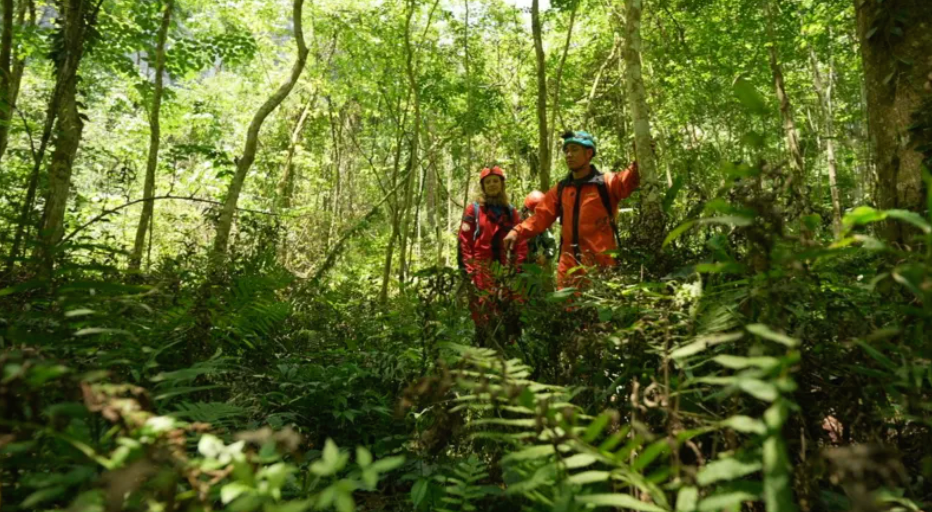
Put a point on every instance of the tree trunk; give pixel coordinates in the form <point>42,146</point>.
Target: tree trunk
<point>6,73</point>
<point>798,166</point>
<point>154,140</point>
<point>543,132</point>
<point>70,126</point>
<point>824,91</point>
<point>225,221</point>
<point>394,204</point>
<point>12,66</point>
<point>286,183</point>
<point>559,79</point>
<point>411,69</point>
<point>651,223</point>
<point>894,92</point>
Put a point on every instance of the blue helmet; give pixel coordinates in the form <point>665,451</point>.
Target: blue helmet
<point>581,138</point>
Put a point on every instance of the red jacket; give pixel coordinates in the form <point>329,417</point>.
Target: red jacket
<point>595,231</point>
<point>480,250</point>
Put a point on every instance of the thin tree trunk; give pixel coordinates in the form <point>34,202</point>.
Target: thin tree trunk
<point>621,99</point>
<point>154,140</point>
<point>596,82</point>
<point>543,132</point>
<point>394,206</point>
<point>798,166</point>
<point>559,79</point>
<point>894,93</point>
<point>824,91</point>
<point>225,221</point>
<point>413,148</point>
<point>651,214</point>
<point>6,73</point>
<point>411,68</point>
<point>286,183</point>
<point>70,126</point>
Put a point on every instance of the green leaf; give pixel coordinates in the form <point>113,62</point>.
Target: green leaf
<point>765,332</point>
<point>363,456</point>
<point>745,424</point>
<point>580,460</point>
<point>729,220</point>
<point>702,343</point>
<point>387,464</point>
<point>911,217</point>
<point>42,495</point>
<point>877,355</point>
<point>671,194</point>
<point>740,363</point>
<point>332,460</point>
<point>534,452</point>
<point>233,490</point>
<point>677,232</point>
<point>687,499</point>
<point>653,451</point>
<point>419,491</point>
<point>759,389</point>
<point>597,426</point>
<point>860,216</point>
<point>589,477</point>
<point>778,476</point>
<point>726,501</point>
<point>749,97</point>
<point>618,500</point>
<point>726,469</point>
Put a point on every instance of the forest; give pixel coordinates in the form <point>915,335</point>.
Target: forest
<point>232,270</point>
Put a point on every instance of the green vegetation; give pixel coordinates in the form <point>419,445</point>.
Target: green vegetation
<point>229,240</point>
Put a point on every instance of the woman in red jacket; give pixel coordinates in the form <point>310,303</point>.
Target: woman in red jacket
<point>482,253</point>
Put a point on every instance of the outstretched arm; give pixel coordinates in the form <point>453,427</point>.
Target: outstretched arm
<point>625,182</point>
<point>544,216</point>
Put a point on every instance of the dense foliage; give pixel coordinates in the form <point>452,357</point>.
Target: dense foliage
<point>764,343</point>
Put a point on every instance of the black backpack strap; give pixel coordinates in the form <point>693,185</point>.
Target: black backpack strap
<point>478,212</point>
<point>559,207</point>
<point>607,203</point>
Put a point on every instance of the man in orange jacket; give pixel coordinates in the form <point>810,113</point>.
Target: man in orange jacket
<point>586,202</point>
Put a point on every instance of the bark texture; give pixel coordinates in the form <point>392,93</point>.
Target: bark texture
<point>543,132</point>
<point>895,90</point>
<point>824,91</point>
<point>74,23</point>
<point>558,82</point>
<point>154,140</point>
<point>796,182</point>
<point>649,234</point>
<point>244,163</point>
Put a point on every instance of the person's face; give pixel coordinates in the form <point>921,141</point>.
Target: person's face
<point>577,157</point>
<point>493,185</point>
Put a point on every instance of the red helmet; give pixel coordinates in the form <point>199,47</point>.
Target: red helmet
<point>533,199</point>
<point>496,171</point>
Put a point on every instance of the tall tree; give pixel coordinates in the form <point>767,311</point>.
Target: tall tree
<point>76,17</point>
<point>411,69</point>
<point>651,222</point>
<point>6,72</point>
<point>824,91</point>
<point>244,163</point>
<point>152,161</point>
<point>896,42</point>
<point>543,132</point>
<point>797,164</point>
<point>558,81</point>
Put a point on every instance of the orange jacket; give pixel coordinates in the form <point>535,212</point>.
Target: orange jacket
<point>583,208</point>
